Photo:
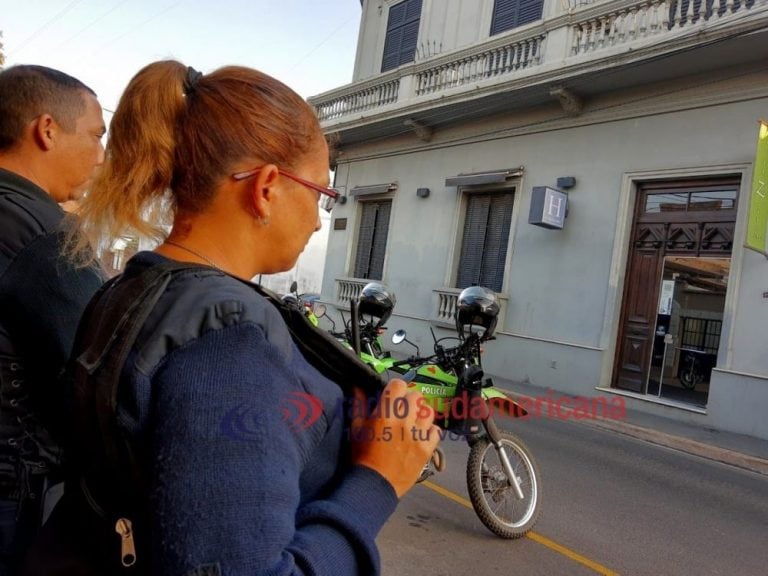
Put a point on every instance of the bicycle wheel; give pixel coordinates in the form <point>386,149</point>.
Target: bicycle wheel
<point>492,496</point>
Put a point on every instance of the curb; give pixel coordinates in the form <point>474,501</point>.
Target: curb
<point>694,447</point>
<point>716,453</point>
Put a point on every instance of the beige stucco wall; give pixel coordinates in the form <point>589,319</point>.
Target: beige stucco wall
<point>565,287</point>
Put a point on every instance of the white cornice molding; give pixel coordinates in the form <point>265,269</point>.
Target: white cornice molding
<point>652,104</point>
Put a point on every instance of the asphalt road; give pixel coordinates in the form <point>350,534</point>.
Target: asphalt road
<point>611,505</point>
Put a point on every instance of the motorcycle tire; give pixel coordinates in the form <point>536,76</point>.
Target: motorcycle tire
<point>689,379</point>
<point>493,499</point>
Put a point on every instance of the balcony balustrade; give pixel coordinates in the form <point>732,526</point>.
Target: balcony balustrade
<point>348,289</point>
<point>584,30</point>
<point>494,62</point>
<point>639,20</point>
<point>447,299</point>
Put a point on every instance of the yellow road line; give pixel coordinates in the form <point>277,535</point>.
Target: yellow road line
<point>535,536</point>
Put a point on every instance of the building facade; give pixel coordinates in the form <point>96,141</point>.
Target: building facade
<point>591,162</point>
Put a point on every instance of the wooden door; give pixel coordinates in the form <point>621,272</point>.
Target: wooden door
<point>684,218</point>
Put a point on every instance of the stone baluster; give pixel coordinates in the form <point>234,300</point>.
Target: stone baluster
<point>632,23</point>
<point>584,37</point>
<point>621,27</point>
<point>717,8</point>
<point>614,24</point>
<point>540,48</point>
<point>602,31</point>
<point>591,35</point>
<point>701,16</point>
<point>677,7</point>
<point>643,17</point>
<point>519,56</point>
<point>688,13</point>
<point>656,7</point>
<point>576,32</point>
<point>665,8</point>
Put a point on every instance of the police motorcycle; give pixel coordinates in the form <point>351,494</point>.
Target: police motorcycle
<point>293,299</point>
<point>503,478</point>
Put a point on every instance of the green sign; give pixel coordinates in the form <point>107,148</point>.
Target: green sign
<point>757,224</point>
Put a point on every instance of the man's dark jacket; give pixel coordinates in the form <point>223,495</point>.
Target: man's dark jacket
<point>42,296</point>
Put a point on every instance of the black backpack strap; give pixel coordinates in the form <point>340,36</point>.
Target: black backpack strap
<point>112,332</point>
<point>324,352</point>
<point>103,351</point>
<point>109,475</point>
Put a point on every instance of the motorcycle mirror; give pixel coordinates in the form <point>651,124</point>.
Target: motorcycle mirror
<point>398,337</point>
<point>294,287</point>
<point>320,310</point>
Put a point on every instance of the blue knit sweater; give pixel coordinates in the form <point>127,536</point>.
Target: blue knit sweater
<point>242,481</point>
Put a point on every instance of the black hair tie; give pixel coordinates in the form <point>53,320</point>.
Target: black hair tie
<point>191,80</point>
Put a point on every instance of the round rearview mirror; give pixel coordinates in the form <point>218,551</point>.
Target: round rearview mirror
<point>320,310</point>
<point>294,287</point>
<point>398,337</point>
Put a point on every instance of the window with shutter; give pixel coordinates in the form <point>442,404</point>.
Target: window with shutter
<point>508,14</point>
<point>372,239</point>
<point>485,239</point>
<point>402,34</point>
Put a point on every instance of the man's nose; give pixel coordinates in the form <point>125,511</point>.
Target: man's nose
<point>101,155</point>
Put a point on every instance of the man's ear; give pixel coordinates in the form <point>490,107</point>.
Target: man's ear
<point>44,131</point>
<point>262,191</point>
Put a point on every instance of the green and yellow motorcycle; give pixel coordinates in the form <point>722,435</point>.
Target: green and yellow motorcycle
<point>503,478</point>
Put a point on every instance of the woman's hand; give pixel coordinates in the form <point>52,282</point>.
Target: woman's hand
<point>397,438</point>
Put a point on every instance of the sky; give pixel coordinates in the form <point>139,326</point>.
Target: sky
<point>308,44</point>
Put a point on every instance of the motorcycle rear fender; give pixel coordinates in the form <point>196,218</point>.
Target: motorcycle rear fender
<point>500,402</point>
<point>380,365</point>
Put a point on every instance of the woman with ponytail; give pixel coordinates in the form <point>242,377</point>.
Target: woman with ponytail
<point>236,164</point>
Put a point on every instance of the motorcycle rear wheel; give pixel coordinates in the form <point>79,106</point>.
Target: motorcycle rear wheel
<point>689,379</point>
<point>493,498</point>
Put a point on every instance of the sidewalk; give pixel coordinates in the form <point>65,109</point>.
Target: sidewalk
<point>738,450</point>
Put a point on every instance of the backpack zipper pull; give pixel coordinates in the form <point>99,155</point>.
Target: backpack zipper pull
<point>127,549</point>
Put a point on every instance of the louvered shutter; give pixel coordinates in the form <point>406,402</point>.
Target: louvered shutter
<point>508,14</point>
<point>402,34</point>
<point>496,237</point>
<point>379,244</point>
<point>365,239</point>
<point>372,240</point>
<point>484,243</point>
<point>473,241</point>
<point>529,11</point>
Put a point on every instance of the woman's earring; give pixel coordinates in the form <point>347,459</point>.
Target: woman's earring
<point>265,221</point>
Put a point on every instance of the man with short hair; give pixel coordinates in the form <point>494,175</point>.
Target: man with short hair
<point>51,127</point>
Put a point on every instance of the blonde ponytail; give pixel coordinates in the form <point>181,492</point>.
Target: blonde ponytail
<point>167,152</point>
<point>128,193</point>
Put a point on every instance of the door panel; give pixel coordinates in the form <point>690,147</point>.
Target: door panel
<point>640,320</point>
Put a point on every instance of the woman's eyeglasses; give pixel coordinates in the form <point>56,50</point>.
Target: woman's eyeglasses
<point>328,195</point>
